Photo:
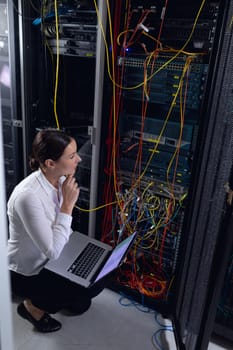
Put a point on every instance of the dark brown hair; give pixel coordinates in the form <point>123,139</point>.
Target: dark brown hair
<point>48,144</point>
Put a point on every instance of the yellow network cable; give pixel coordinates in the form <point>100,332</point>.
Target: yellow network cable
<point>94,209</point>
<point>169,287</point>
<point>104,37</point>
<point>57,60</point>
<point>155,199</point>
<point>176,153</point>
<point>140,215</point>
<point>146,237</point>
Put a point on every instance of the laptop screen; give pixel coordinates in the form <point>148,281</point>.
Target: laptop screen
<point>116,257</point>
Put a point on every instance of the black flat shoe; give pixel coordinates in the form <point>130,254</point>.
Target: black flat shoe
<point>45,325</point>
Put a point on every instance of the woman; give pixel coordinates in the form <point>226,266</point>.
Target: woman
<point>40,216</point>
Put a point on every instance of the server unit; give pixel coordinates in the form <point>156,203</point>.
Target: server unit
<point>145,87</point>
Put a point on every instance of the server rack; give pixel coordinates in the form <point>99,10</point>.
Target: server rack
<point>189,239</point>
<point>204,166</point>
<point>9,74</point>
<point>60,47</point>
<point>156,143</point>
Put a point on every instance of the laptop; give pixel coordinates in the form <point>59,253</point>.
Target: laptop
<point>85,260</point>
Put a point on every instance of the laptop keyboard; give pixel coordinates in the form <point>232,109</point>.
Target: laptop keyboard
<point>86,260</point>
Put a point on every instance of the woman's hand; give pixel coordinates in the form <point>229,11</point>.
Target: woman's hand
<point>70,192</point>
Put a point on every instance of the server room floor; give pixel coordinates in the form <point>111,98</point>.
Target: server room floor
<point>113,322</point>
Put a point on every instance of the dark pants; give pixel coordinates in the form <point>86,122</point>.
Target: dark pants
<point>51,292</point>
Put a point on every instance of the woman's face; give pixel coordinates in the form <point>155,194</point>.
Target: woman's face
<point>68,162</point>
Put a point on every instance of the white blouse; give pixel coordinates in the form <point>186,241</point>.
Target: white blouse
<point>38,230</point>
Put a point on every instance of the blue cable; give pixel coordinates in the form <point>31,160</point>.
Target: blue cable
<point>131,302</point>
<point>160,324</point>
<point>154,338</point>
